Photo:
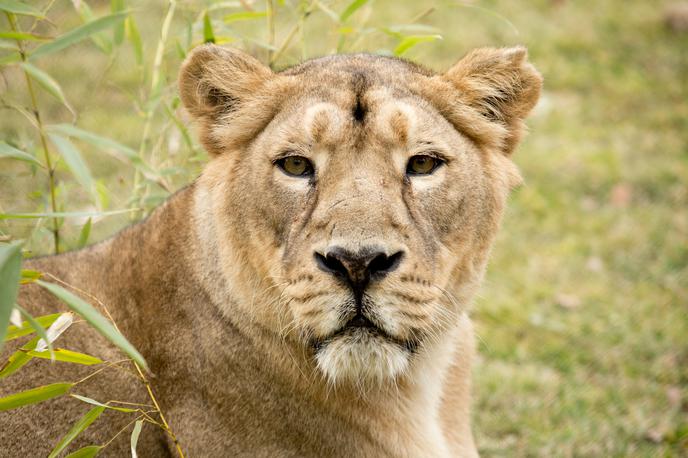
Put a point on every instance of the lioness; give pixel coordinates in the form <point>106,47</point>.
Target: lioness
<point>307,296</point>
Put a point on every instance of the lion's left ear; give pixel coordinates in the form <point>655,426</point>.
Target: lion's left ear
<point>501,85</point>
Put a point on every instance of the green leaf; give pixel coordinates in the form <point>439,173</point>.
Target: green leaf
<point>36,326</point>
<point>83,235</point>
<point>208,34</point>
<point>135,437</point>
<point>34,395</point>
<point>96,320</point>
<point>244,16</point>
<point>78,34</point>
<point>116,6</point>
<point>13,6</point>
<point>11,152</point>
<point>46,82</point>
<point>63,214</point>
<point>18,359</point>
<point>67,356</point>
<point>96,403</point>
<point>14,332</point>
<point>86,452</point>
<point>134,38</point>
<point>79,427</point>
<point>22,36</point>
<point>10,273</point>
<point>413,40</point>
<point>75,162</point>
<point>351,9</point>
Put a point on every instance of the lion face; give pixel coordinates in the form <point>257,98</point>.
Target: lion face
<point>357,196</point>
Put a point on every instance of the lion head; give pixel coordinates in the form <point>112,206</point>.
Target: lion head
<point>352,200</point>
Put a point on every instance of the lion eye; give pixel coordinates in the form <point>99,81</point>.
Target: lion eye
<point>297,166</point>
<point>422,165</point>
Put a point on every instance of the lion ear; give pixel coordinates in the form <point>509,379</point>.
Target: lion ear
<point>216,83</point>
<point>501,85</point>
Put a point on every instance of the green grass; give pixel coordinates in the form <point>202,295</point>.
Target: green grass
<point>583,318</point>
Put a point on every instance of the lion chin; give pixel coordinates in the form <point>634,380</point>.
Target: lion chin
<point>362,357</point>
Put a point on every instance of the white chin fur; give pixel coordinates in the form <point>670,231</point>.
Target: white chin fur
<point>362,358</point>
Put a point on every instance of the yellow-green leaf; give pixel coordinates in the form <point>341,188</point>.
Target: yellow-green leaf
<point>79,427</point>
<point>86,452</point>
<point>96,320</point>
<point>19,358</point>
<point>244,16</point>
<point>351,9</point>
<point>413,40</point>
<point>14,332</point>
<point>208,34</point>
<point>84,233</point>
<point>34,395</point>
<point>67,356</point>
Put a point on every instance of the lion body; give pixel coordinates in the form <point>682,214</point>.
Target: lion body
<point>246,337</point>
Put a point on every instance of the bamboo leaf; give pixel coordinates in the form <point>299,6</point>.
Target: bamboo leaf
<point>78,34</point>
<point>208,34</point>
<point>10,273</point>
<point>34,395</point>
<point>75,163</point>
<point>29,276</point>
<point>46,82</point>
<point>55,330</point>
<point>8,151</point>
<point>22,36</point>
<point>86,452</point>
<point>134,37</point>
<point>135,437</point>
<point>96,403</point>
<point>79,427</point>
<point>64,214</point>
<point>117,6</point>
<point>18,359</point>
<point>36,326</point>
<point>14,332</point>
<point>96,320</point>
<point>244,16</point>
<point>351,9</point>
<point>413,40</point>
<point>67,356</point>
<point>69,130</point>
<point>83,235</point>
<point>13,6</point>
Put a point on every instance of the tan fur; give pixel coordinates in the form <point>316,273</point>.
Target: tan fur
<point>220,291</point>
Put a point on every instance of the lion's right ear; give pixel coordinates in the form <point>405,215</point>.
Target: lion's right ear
<point>219,86</point>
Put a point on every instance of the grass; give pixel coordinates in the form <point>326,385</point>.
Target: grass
<point>583,319</point>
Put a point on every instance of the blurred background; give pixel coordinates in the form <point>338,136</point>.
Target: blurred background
<point>583,318</point>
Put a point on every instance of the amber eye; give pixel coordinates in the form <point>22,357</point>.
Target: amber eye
<point>422,165</point>
<point>297,166</point>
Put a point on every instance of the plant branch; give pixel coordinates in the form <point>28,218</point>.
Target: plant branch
<point>41,132</point>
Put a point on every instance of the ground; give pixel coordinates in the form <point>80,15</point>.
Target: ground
<point>583,318</point>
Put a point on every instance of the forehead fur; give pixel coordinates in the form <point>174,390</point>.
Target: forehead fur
<point>485,96</point>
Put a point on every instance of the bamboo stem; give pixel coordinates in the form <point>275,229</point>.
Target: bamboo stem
<point>41,131</point>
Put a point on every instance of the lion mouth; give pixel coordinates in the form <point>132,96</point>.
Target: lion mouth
<point>361,326</point>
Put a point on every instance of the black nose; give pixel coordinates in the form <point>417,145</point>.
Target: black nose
<point>360,267</point>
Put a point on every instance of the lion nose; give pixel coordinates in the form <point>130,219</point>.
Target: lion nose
<point>358,268</point>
